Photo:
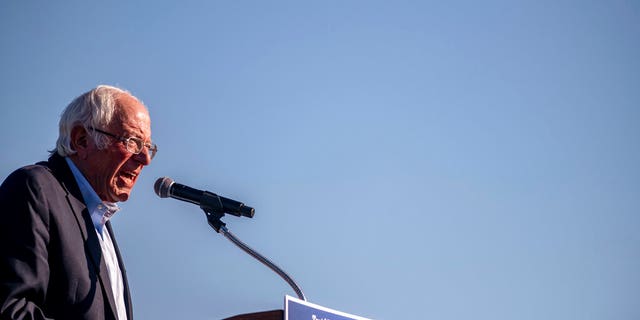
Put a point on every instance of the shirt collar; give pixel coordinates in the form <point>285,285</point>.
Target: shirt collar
<point>100,211</point>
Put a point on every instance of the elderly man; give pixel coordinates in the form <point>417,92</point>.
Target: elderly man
<point>58,255</point>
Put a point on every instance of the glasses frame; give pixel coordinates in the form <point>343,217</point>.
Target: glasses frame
<point>152,147</point>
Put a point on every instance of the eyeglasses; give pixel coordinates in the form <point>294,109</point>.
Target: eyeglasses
<point>133,144</point>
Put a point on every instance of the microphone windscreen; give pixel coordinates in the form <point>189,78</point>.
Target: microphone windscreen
<point>163,186</point>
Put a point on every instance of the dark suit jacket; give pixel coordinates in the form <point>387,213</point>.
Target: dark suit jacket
<point>51,264</point>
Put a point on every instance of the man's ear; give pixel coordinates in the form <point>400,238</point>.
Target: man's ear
<point>80,141</point>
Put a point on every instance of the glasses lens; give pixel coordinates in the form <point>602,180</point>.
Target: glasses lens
<point>134,145</point>
<point>152,150</point>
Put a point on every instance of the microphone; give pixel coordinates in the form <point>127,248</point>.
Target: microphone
<point>166,187</point>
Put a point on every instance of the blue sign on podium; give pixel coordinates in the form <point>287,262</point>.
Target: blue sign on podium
<point>296,309</point>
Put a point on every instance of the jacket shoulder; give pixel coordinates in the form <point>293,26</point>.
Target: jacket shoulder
<point>31,176</point>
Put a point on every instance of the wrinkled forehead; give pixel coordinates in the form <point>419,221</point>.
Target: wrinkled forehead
<point>131,117</point>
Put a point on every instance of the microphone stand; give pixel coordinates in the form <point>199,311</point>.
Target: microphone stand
<point>213,217</point>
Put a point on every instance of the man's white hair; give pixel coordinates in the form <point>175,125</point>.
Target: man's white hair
<point>93,109</point>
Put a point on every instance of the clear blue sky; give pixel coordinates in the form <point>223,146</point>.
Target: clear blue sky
<point>406,159</point>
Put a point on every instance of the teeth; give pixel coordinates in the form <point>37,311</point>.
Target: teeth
<point>129,175</point>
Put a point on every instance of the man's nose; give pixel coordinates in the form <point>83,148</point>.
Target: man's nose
<point>144,156</point>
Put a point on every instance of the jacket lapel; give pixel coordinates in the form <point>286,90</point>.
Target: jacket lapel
<point>91,242</point>
<point>123,271</point>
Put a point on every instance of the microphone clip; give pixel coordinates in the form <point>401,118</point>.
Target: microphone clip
<point>213,218</point>
<point>212,206</point>
<point>214,211</point>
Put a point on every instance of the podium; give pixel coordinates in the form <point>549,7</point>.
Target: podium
<point>265,315</point>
